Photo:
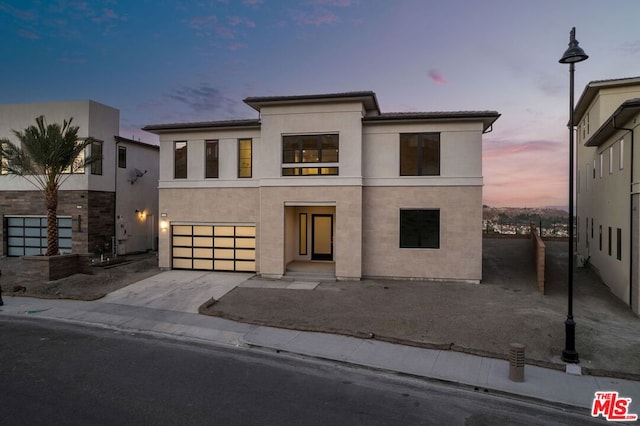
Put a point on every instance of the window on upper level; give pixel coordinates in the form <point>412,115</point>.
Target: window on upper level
<point>621,155</point>
<point>309,149</point>
<point>419,228</point>
<point>610,160</point>
<point>180,160</point>
<point>419,154</point>
<point>601,165</point>
<point>122,157</point>
<point>244,158</point>
<point>211,159</point>
<point>96,150</point>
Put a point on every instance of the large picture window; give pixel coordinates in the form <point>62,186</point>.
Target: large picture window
<point>419,228</point>
<point>309,149</point>
<point>211,159</point>
<point>419,154</point>
<point>180,160</point>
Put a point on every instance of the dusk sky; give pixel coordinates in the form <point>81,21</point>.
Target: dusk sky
<point>178,61</point>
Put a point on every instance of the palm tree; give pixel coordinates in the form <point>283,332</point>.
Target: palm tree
<point>48,154</point>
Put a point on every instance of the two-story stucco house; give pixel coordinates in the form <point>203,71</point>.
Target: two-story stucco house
<point>607,116</point>
<point>113,202</point>
<point>325,178</point>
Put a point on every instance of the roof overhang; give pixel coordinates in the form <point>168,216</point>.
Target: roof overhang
<point>615,122</point>
<point>486,117</point>
<point>203,125</point>
<point>368,99</point>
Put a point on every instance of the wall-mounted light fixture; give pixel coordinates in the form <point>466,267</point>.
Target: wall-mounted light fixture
<point>141,214</point>
<point>163,225</point>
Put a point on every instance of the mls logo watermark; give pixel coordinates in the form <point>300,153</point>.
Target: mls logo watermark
<point>612,407</point>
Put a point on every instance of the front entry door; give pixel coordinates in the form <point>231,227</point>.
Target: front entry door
<point>322,237</point>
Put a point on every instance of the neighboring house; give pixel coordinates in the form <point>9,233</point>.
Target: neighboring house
<point>325,178</point>
<point>607,116</point>
<point>106,207</point>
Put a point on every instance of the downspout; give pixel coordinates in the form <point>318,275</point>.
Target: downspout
<point>630,210</point>
<point>114,239</point>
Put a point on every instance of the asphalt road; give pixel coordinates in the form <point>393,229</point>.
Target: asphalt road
<point>63,374</point>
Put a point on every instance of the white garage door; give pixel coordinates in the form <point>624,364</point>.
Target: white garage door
<point>213,247</point>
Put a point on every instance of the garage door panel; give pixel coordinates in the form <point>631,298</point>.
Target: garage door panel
<point>182,252</point>
<point>245,266</point>
<point>182,241</point>
<point>203,253</point>
<point>245,254</point>
<point>202,242</point>
<point>214,247</point>
<point>206,264</point>
<point>223,265</point>
<point>182,263</point>
<point>245,243</point>
<point>182,230</point>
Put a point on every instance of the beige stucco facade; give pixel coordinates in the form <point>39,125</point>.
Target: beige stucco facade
<point>607,186</point>
<point>351,215</point>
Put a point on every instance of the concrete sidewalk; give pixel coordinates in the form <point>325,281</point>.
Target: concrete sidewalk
<point>478,372</point>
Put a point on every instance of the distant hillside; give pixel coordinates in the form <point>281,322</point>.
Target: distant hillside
<point>494,213</point>
<point>524,215</point>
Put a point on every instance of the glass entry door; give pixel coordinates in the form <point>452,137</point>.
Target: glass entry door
<point>322,237</point>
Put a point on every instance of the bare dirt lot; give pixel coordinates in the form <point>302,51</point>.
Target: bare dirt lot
<point>104,280</point>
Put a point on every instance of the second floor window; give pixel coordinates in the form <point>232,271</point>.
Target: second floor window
<point>96,150</point>
<point>309,149</point>
<point>180,160</point>
<point>244,158</point>
<point>419,154</point>
<point>122,157</point>
<point>211,159</point>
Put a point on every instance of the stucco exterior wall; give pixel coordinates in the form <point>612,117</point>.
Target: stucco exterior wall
<point>460,153</point>
<point>137,193</point>
<point>206,205</point>
<point>344,119</point>
<point>460,254</point>
<point>93,119</point>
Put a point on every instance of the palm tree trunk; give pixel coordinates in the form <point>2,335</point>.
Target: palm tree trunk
<point>51,201</point>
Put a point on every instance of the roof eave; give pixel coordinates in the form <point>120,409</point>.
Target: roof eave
<point>212,125</point>
<point>368,98</point>
<point>622,115</point>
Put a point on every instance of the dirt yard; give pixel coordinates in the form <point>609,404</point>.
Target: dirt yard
<point>104,280</point>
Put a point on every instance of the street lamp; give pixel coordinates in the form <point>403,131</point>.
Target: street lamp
<point>571,56</point>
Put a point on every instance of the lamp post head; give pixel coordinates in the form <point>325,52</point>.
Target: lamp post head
<point>574,53</point>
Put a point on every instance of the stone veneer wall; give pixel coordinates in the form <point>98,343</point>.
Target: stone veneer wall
<point>459,257</point>
<point>95,218</point>
<point>101,226</point>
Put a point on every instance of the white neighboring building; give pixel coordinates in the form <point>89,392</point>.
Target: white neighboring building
<point>98,206</point>
<point>607,116</point>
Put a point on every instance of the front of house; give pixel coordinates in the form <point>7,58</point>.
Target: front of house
<point>325,178</point>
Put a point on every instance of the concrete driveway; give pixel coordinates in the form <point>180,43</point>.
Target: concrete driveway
<point>181,291</point>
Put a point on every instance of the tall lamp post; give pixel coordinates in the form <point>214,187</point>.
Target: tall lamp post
<point>571,56</point>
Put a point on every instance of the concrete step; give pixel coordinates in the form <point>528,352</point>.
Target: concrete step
<point>308,276</point>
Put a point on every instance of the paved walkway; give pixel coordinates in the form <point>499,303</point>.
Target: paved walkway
<point>479,372</point>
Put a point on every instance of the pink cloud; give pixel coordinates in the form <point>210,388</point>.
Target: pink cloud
<point>436,76</point>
